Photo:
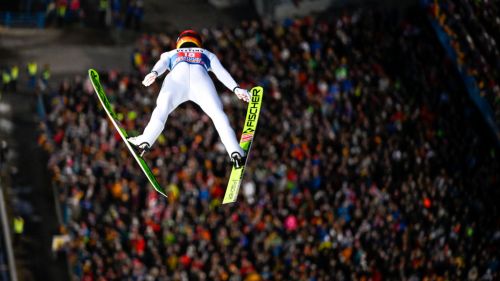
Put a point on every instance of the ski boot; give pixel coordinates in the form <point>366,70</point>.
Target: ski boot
<point>237,160</point>
<point>139,147</point>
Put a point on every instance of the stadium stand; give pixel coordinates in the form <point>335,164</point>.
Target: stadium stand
<point>473,26</point>
<point>369,163</point>
<point>117,14</point>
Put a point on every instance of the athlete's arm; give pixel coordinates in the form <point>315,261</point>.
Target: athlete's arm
<point>160,67</point>
<point>226,78</point>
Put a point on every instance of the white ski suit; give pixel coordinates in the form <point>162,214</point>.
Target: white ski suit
<point>189,80</point>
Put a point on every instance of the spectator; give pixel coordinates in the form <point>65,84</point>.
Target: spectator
<point>76,13</point>
<point>46,74</point>
<point>18,226</point>
<point>14,75</point>
<point>62,8</point>
<point>32,69</point>
<point>134,14</point>
<point>103,12</point>
<point>6,79</point>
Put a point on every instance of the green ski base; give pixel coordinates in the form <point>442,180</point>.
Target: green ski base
<point>94,78</point>
<point>251,120</point>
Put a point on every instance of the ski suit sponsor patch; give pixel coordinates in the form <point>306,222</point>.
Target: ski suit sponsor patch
<point>191,58</point>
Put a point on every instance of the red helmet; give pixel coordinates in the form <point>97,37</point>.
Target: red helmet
<point>189,38</point>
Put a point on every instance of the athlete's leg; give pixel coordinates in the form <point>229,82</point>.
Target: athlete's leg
<point>171,95</point>
<point>203,93</point>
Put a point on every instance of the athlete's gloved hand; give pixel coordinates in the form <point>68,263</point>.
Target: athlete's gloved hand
<point>242,94</point>
<point>149,79</point>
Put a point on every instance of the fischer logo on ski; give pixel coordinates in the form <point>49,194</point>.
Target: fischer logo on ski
<point>252,117</point>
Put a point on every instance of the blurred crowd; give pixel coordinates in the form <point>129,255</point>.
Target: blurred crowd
<point>474,28</point>
<point>64,12</point>
<point>367,163</point>
<point>36,77</point>
<point>117,14</point>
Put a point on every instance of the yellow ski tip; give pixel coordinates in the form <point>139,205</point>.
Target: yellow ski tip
<point>232,190</point>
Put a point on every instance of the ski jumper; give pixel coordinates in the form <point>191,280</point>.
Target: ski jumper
<point>189,80</point>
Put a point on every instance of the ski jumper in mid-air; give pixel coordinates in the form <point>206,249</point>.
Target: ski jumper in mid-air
<point>188,79</point>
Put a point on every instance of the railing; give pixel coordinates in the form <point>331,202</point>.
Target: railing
<point>470,83</point>
<point>7,261</point>
<point>280,9</point>
<point>220,4</point>
<point>10,19</point>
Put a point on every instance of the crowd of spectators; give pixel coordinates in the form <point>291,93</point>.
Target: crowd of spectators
<point>119,14</point>
<point>64,12</point>
<point>474,28</point>
<point>36,79</point>
<point>369,163</point>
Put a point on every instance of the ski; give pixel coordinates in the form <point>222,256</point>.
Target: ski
<point>94,78</point>
<point>247,136</point>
